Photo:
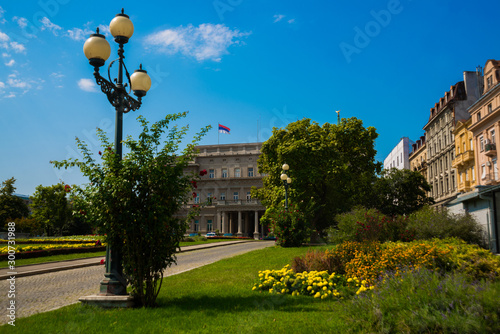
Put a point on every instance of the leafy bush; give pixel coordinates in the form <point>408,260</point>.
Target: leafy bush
<point>369,224</point>
<point>424,301</point>
<point>289,226</point>
<point>428,223</point>
<point>370,260</point>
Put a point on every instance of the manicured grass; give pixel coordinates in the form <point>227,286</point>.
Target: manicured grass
<point>218,298</point>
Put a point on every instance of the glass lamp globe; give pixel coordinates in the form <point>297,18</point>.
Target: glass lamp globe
<point>288,180</point>
<point>283,177</point>
<point>285,167</point>
<point>140,82</point>
<point>121,28</point>
<point>96,49</point>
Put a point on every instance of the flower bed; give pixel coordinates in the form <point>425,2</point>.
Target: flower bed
<point>78,239</point>
<point>58,251</point>
<point>355,267</point>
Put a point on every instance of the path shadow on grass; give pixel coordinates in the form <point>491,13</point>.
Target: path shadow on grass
<point>245,304</point>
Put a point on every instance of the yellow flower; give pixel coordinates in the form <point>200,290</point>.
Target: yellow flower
<point>317,295</point>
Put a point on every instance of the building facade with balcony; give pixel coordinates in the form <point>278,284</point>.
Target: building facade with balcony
<point>464,157</point>
<point>440,140</point>
<point>223,194</point>
<point>485,127</point>
<point>418,157</point>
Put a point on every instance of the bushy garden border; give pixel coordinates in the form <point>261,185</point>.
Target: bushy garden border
<point>49,252</point>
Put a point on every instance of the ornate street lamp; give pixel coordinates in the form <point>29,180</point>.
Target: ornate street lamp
<point>97,51</point>
<point>286,182</point>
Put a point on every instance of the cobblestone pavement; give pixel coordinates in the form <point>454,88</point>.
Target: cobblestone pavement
<point>45,292</point>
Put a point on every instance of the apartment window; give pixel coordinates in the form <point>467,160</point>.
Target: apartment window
<point>237,172</point>
<point>397,160</point>
<point>222,196</point>
<point>224,172</point>
<point>196,225</point>
<point>492,133</point>
<point>490,109</point>
<point>235,196</point>
<point>489,81</point>
<point>473,174</point>
<point>470,143</point>
<point>452,181</point>
<point>249,196</point>
<point>250,171</point>
<point>479,116</point>
<point>447,185</point>
<point>211,173</point>
<point>465,148</point>
<point>483,171</point>
<point>209,225</point>
<point>197,199</point>
<point>467,175</point>
<point>481,144</point>
<point>461,178</point>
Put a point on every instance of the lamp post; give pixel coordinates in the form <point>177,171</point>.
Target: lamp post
<point>97,51</point>
<point>286,182</point>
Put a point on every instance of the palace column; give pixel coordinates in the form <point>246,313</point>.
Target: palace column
<point>256,234</point>
<point>239,234</point>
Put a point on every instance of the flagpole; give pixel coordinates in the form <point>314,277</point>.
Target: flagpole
<point>218,134</point>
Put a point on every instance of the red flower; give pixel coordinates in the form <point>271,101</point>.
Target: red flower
<point>67,188</point>
<point>195,185</point>
<point>100,153</point>
<point>194,195</point>
<point>203,172</point>
<point>102,261</point>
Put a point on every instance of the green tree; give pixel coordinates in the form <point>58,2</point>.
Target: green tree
<point>11,206</point>
<point>401,192</point>
<point>134,200</point>
<point>332,168</point>
<point>50,207</point>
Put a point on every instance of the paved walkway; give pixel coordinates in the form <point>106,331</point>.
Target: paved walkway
<point>63,286</point>
<point>42,268</point>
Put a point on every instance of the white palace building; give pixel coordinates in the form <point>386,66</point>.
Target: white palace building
<point>223,194</point>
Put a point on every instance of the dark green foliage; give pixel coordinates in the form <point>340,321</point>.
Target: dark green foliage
<point>133,200</point>
<point>290,227</point>
<point>427,302</point>
<point>428,223</point>
<point>50,207</point>
<point>332,168</point>
<point>401,192</point>
<point>11,206</point>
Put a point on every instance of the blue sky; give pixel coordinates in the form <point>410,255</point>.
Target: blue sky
<point>236,62</point>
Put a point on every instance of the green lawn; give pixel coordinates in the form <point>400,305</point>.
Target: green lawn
<point>213,299</point>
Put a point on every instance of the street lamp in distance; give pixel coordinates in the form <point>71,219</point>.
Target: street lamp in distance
<point>286,182</point>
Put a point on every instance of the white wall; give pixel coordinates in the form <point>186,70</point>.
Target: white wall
<point>399,156</point>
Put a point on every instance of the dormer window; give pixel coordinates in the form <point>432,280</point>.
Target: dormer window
<point>489,81</point>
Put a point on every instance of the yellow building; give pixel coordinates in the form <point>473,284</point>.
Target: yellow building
<point>464,156</point>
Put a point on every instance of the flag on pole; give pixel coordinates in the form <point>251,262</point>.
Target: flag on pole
<point>224,129</point>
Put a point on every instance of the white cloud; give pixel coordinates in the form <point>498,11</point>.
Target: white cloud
<point>57,75</point>
<point>278,17</point>
<point>87,85</point>
<point>10,63</point>
<point>2,11</point>
<point>78,34</point>
<point>3,37</point>
<point>46,24</point>
<point>17,47</point>
<point>2,85</point>
<point>11,95</point>
<point>207,41</point>
<point>291,21</point>
<point>13,81</point>
<point>5,55</point>
<point>21,21</point>
<point>104,30</point>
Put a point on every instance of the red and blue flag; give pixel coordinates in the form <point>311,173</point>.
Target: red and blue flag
<point>224,129</point>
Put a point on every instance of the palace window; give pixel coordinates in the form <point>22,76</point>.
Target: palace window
<point>209,225</point>
<point>235,196</point>
<point>211,173</point>
<point>237,172</point>
<point>222,196</point>
<point>196,225</point>
<point>250,171</point>
<point>249,196</point>
<point>224,172</point>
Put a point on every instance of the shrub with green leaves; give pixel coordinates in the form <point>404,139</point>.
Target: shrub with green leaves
<point>133,200</point>
<point>428,223</point>
<point>289,226</point>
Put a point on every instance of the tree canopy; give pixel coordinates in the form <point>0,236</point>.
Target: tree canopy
<point>332,167</point>
<point>50,207</point>
<point>11,206</point>
<point>401,192</point>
